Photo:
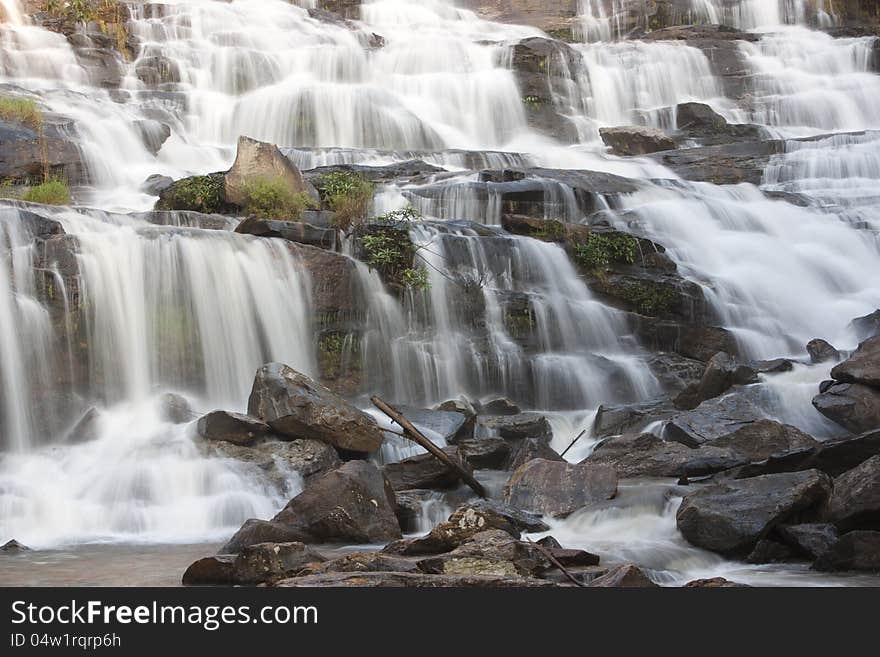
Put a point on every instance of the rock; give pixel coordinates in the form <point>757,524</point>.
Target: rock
<point>294,405</point>
<point>731,517</point>
<point>175,408</point>
<point>86,429</point>
<point>266,562</point>
<point>210,571</point>
<point>13,546</point>
<point>764,439</point>
<point>768,551</point>
<point>398,580</point>
<point>810,540</point>
<point>515,427</point>
<point>626,576</point>
<point>713,583</point>
<point>647,455</point>
<point>492,552</point>
<point>258,160</point>
<point>26,151</point>
<point>486,453</point>
<point>202,194</point>
<point>726,164</point>
<point>722,373</point>
<point>703,342</point>
<point>364,562</point>
<point>254,532</point>
<point>529,449</point>
<point>712,419</point>
<point>632,418</point>
<point>700,122</point>
<point>156,184</point>
<point>448,426</point>
<point>277,458</point>
<point>855,501</point>
<point>294,231</point>
<point>467,521</point>
<point>153,134</point>
<point>854,406</point>
<point>459,405</point>
<point>500,407</point>
<point>636,140</point>
<point>425,471</point>
<point>675,373</point>
<point>859,550</point>
<point>867,326</point>
<point>231,427</point>
<point>820,351</point>
<point>559,488</point>
<point>863,366</point>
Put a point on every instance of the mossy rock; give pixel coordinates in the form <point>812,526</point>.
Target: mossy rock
<point>204,194</point>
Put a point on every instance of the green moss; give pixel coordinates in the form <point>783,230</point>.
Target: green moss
<point>338,355</point>
<point>532,101</point>
<point>198,194</point>
<point>552,230</point>
<point>650,299</point>
<point>21,110</point>
<point>415,278</point>
<point>519,323</point>
<point>272,198</point>
<point>601,250</point>
<point>387,247</point>
<point>52,192</point>
<point>348,195</point>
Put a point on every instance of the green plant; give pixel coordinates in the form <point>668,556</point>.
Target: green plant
<point>397,217</point>
<point>649,298</point>
<point>348,195</point>
<point>601,250</point>
<point>52,192</point>
<point>416,278</point>
<point>551,230</point>
<point>272,198</point>
<point>388,249</point>
<point>199,194</point>
<point>22,110</point>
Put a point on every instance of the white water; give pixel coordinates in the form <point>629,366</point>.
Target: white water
<point>197,311</point>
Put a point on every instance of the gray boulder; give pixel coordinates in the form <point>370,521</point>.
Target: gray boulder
<point>558,488</point>
<point>854,406</point>
<point>231,427</point>
<point>636,140</point>
<point>863,366</point>
<point>855,502</point>
<point>258,160</point>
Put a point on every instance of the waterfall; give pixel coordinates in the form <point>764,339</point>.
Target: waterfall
<point>11,12</point>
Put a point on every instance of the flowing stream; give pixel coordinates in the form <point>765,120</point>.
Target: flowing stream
<point>195,310</point>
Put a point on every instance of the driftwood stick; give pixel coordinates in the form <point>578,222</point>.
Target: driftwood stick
<point>556,563</point>
<point>419,438</point>
<point>580,435</point>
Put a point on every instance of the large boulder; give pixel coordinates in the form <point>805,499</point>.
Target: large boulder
<point>811,540</point>
<point>277,459</point>
<point>636,140</point>
<point>863,366</point>
<point>294,405</point>
<point>558,488</point>
<point>721,374</point>
<point>515,427</point>
<point>257,160</point>
<point>854,406</point>
<point>700,122</point>
<point>626,576</point>
<point>647,455</point>
<point>764,439</point>
<point>859,550</point>
<point>821,351</point>
<point>731,517</point>
<point>27,152</point>
<point>713,419</point>
<point>352,504</point>
<point>867,326</point>
<point>492,552</point>
<point>255,564</point>
<point>425,471</point>
<point>855,502</point>
<point>294,231</point>
<point>405,580</point>
<point>231,427</point>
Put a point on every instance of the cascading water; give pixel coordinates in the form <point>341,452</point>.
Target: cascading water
<point>176,308</point>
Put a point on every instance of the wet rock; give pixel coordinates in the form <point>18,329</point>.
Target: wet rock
<point>492,552</point>
<point>722,373</point>
<point>294,405</point>
<point>863,366</point>
<point>153,134</point>
<point>713,419</point>
<point>156,71</point>
<point>636,140</point>
<point>529,449</point>
<point>398,580</point>
<point>459,405</point>
<point>821,351</point>
<point>13,546</point>
<point>647,455</point>
<point>853,406</point>
<point>467,521</point>
<point>500,406</point>
<point>231,427</point>
<point>278,459</point>
<point>631,418</point>
<point>364,562</point>
<point>867,326</point>
<point>156,184</point>
<point>727,164</point>
<point>626,576</point>
<point>858,550</point>
<point>175,408</point>
<point>764,439</point>
<point>515,427</point>
<point>855,501</point>
<point>768,551</point>
<point>700,122</point>
<point>449,426</point>
<point>425,471</point>
<point>266,562</point>
<point>26,152</point>
<point>86,429</point>
<point>294,231</point>
<point>675,373</point>
<point>210,571</point>
<point>202,194</point>
<point>559,488</point>
<point>486,453</point>
<point>713,583</point>
<point>731,517</point>
<point>810,540</point>
<point>413,506</point>
<point>258,160</point>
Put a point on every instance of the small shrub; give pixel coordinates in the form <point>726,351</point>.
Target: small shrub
<point>650,299</point>
<point>204,194</point>
<point>53,192</point>
<point>601,250</point>
<point>271,198</point>
<point>416,278</point>
<point>22,110</point>
<point>349,196</point>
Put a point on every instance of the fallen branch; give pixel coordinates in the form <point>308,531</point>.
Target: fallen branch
<point>419,438</point>
<point>580,435</point>
<point>555,562</point>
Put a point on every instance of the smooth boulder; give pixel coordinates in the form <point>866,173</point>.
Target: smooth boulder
<point>858,550</point>
<point>231,427</point>
<point>855,502</point>
<point>854,406</point>
<point>636,140</point>
<point>294,405</point>
<point>558,488</point>
<point>863,366</point>
<point>256,160</point>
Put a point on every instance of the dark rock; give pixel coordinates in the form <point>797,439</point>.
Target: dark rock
<point>863,366</point>
<point>500,406</point>
<point>422,581</point>
<point>727,164</point>
<point>722,373</point>
<point>492,552</point>
<point>529,449</point>
<point>294,231</point>
<point>854,406</point>
<point>231,427</point>
<point>731,517</point>
<point>764,439</point>
<point>809,540</point>
<point>768,551</point>
<point>703,342</point>
<point>210,571</point>
<point>633,418</point>
<point>277,458</point>
<point>626,576</point>
<point>364,562</point>
<point>713,419</point>
<point>675,373</point>
<point>156,184</point>
<point>636,140</point>
<point>558,488</point>
<point>26,152</point>
<point>515,427</point>
<point>867,326</point>
<point>425,471</point>
<point>14,546</point>
<point>855,501</point>
<point>266,562</point>
<point>820,351</point>
<point>647,455</point>
<point>700,122</point>
<point>450,426</point>
<point>202,194</point>
<point>295,405</point>
<point>175,408</point>
<point>413,506</point>
<point>859,550</point>
<point>713,583</point>
<point>486,453</point>
<point>254,532</point>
